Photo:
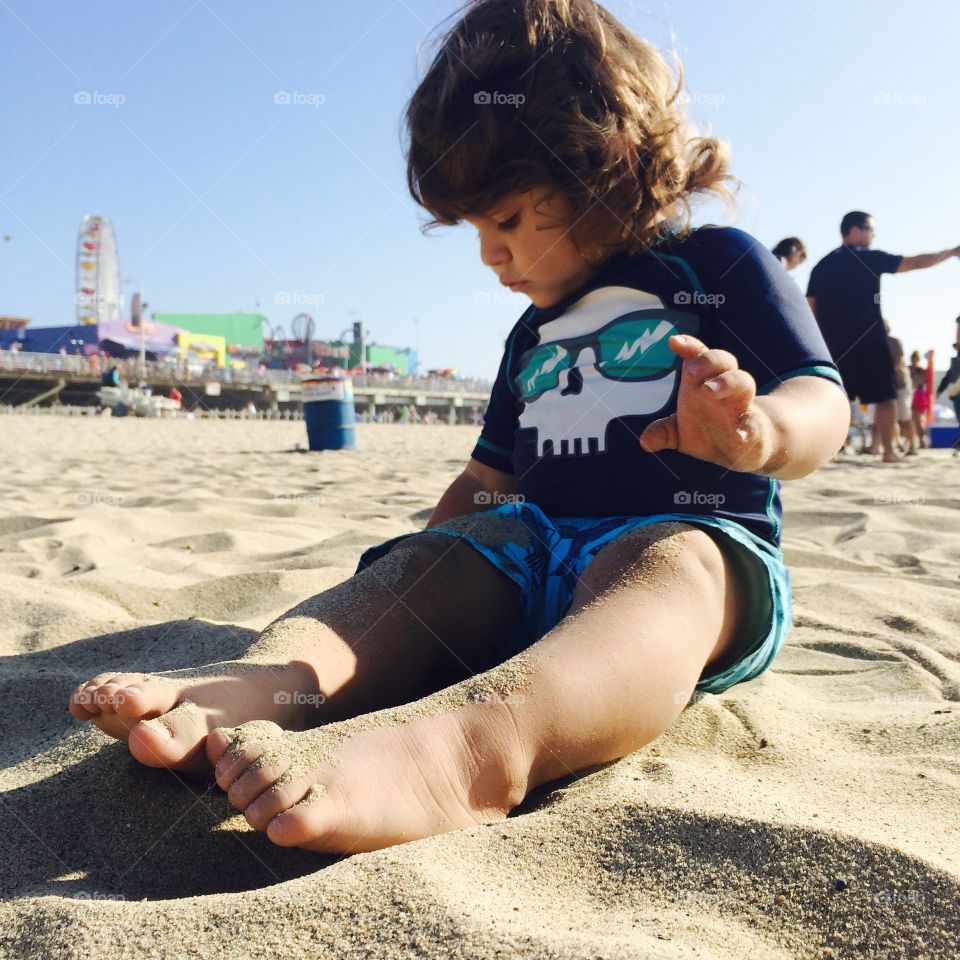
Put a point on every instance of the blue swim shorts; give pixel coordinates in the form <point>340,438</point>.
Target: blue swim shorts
<point>546,559</point>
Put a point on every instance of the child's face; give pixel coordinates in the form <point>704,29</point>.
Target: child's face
<point>545,259</point>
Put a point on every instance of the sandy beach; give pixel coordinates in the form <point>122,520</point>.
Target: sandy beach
<point>811,813</point>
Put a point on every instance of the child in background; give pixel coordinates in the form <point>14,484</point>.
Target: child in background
<point>920,402</point>
<point>905,431</point>
<point>612,544</point>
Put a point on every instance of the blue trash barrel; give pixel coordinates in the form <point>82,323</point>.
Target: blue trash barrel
<point>943,435</point>
<point>328,411</point>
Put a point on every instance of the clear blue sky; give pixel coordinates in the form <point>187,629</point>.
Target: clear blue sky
<point>222,198</point>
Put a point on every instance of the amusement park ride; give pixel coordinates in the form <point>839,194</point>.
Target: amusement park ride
<point>99,301</point>
<point>98,297</point>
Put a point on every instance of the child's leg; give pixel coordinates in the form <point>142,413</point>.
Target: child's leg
<point>654,607</point>
<point>367,643</point>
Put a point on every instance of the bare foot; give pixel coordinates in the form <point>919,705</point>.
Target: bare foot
<point>165,718</point>
<point>376,780</point>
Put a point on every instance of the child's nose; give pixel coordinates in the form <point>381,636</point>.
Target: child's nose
<point>493,252</point>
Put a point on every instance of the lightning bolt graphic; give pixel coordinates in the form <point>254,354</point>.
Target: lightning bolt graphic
<point>645,341</point>
<point>549,364</point>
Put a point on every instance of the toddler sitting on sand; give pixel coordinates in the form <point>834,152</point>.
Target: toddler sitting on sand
<point>612,544</point>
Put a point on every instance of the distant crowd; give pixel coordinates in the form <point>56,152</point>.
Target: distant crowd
<point>844,294</point>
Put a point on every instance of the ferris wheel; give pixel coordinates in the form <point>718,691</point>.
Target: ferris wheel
<point>98,297</point>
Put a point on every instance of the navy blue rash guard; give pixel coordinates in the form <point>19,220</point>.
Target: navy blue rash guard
<point>580,381</point>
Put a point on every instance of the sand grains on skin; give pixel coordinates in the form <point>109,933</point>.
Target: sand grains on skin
<point>423,750</point>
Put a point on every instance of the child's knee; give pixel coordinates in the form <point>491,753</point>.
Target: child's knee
<point>425,557</point>
<point>670,551</point>
<point>413,558</point>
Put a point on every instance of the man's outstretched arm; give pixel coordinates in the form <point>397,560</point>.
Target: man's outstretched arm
<point>923,260</point>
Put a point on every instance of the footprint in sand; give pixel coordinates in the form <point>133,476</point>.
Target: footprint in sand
<point>10,526</point>
<point>217,542</point>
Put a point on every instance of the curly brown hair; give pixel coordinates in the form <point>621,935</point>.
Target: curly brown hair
<point>558,93</point>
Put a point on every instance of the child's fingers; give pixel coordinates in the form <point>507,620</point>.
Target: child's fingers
<point>733,385</point>
<point>687,347</point>
<point>748,431</point>
<point>699,361</point>
<point>661,435</point>
<point>709,365</point>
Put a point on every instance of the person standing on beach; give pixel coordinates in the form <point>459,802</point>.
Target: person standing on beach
<point>791,252</point>
<point>612,544</point>
<point>919,400</point>
<point>904,393</point>
<point>844,295</point>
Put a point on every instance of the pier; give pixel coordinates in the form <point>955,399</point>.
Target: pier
<point>43,379</point>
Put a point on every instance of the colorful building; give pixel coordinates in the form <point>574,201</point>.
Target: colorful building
<point>403,360</point>
<point>242,332</point>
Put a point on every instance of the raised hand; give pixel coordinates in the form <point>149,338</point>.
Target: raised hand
<point>717,417</point>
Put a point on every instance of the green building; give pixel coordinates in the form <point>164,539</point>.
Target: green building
<point>242,331</point>
<point>404,360</point>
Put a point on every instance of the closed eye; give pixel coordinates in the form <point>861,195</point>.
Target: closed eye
<point>509,224</point>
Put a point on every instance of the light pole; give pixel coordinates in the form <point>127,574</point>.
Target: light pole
<point>416,341</point>
<point>359,338</point>
<point>140,311</point>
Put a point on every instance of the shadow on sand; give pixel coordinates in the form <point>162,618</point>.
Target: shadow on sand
<point>89,821</point>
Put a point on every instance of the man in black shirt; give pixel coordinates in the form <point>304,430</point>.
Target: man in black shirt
<point>844,295</point>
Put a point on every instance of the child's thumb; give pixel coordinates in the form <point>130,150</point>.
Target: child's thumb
<point>662,434</point>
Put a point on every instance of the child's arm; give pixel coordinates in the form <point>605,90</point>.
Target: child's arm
<point>784,434</point>
<point>472,491</point>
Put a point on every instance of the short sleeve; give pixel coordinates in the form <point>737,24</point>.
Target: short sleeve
<point>761,315</point>
<point>501,420</point>
<point>881,262</point>
<point>815,283</point>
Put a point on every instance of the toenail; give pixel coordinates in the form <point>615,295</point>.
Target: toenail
<point>158,724</point>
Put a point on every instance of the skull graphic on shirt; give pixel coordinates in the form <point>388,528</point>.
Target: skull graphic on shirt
<point>604,357</point>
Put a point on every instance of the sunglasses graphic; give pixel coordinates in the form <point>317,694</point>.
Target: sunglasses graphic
<point>633,347</point>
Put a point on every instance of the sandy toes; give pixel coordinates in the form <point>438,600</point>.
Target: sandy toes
<point>165,718</point>
<point>377,780</point>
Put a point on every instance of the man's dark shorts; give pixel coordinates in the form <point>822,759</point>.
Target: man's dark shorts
<point>867,371</point>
